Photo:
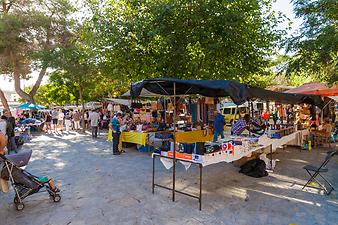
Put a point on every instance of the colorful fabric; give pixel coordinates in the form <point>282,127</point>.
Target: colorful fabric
<point>239,126</point>
<point>134,137</point>
<point>110,135</point>
<point>194,136</point>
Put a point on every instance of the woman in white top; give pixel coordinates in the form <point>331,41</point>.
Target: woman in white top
<point>60,119</point>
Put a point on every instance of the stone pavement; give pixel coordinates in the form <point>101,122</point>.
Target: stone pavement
<point>99,188</point>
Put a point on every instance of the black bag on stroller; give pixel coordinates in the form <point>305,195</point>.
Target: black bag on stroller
<point>24,183</point>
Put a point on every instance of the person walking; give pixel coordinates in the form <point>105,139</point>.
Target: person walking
<point>115,126</point>
<point>61,117</point>
<point>94,119</point>
<point>219,123</point>
<point>76,118</point>
<point>48,121</point>
<point>86,116</point>
<point>68,121</point>
<point>55,116</point>
<point>11,135</point>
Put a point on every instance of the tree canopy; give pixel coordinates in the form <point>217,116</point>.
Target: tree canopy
<point>315,46</point>
<point>230,39</point>
<point>30,30</point>
<point>120,42</point>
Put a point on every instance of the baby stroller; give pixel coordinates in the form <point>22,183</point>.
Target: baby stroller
<point>24,183</point>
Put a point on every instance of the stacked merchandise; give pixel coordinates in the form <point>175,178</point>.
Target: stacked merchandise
<point>227,150</point>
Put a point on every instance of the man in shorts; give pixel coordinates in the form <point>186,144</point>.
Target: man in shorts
<point>61,117</point>
<point>55,117</point>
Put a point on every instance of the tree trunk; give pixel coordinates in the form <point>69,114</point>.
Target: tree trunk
<point>28,97</point>
<point>4,101</point>
<point>17,80</point>
<point>38,82</point>
<point>19,91</point>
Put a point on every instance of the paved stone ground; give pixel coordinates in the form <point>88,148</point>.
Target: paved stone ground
<point>99,188</point>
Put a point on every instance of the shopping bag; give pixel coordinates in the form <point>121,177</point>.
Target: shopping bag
<point>110,135</point>
<point>4,185</point>
<point>3,141</point>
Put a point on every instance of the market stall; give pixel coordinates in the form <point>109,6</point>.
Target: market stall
<point>229,150</point>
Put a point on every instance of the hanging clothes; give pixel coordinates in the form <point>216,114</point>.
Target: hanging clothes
<point>193,112</point>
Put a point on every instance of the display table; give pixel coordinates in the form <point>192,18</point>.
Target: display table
<point>211,158</point>
<point>295,138</point>
<point>201,160</point>
<point>143,138</point>
<point>238,148</point>
<point>139,138</point>
<point>194,136</point>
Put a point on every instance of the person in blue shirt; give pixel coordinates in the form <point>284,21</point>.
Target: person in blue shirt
<point>115,126</point>
<point>219,123</point>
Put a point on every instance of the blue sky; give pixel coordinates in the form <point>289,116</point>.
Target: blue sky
<point>284,6</point>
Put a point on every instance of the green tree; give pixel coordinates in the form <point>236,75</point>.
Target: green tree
<point>76,65</point>
<point>56,92</point>
<point>30,30</point>
<point>315,47</point>
<point>230,39</point>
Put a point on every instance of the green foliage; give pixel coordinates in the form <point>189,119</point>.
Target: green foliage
<point>230,39</point>
<point>30,30</point>
<point>52,94</point>
<point>316,45</point>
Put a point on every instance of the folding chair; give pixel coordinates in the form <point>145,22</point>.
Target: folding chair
<point>314,171</point>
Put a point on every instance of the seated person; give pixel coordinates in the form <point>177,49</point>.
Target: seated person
<point>161,124</point>
<point>197,125</point>
<point>258,123</point>
<point>326,127</point>
<point>241,125</point>
<point>154,123</point>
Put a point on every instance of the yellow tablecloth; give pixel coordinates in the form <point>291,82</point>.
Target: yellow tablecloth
<point>194,136</point>
<point>183,137</point>
<point>134,137</point>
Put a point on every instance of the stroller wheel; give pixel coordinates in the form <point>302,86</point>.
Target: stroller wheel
<point>56,198</point>
<point>19,206</point>
<point>16,200</point>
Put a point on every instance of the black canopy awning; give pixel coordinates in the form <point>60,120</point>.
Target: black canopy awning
<point>238,92</point>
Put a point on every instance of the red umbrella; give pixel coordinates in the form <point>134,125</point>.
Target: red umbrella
<point>316,88</point>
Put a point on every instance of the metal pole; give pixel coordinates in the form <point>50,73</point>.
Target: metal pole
<point>200,199</point>
<point>174,159</point>
<point>165,109</point>
<point>153,184</point>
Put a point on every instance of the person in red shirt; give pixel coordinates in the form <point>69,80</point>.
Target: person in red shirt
<point>266,117</point>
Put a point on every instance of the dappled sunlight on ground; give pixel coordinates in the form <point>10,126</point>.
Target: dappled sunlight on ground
<point>287,198</point>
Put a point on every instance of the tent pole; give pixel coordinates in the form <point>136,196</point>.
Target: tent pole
<point>165,109</point>
<point>174,159</point>
<point>322,110</point>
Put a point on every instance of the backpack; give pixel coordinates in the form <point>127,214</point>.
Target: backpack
<point>254,168</point>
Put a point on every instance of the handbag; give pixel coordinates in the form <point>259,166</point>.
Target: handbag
<point>209,100</point>
<point>171,106</point>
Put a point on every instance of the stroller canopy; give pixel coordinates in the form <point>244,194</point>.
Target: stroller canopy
<point>20,159</point>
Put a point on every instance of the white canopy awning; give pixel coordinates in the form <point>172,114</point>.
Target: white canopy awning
<point>125,102</point>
